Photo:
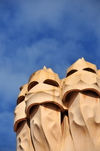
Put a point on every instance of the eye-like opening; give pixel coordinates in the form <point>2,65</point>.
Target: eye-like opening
<point>32,84</point>
<point>51,82</point>
<point>91,93</point>
<point>20,99</point>
<point>71,72</point>
<point>20,125</point>
<point>69,98</point>
<point>90,70</point>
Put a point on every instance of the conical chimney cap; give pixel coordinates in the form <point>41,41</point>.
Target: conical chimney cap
<point>81,64</point>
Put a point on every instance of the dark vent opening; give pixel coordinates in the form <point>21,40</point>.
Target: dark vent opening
<point>66,113</point>
<point>20,99</point>
<point>71,72</point>
<point>89,69</point>
<point>51,82</point>
<point>90,93</point>
<point>32,84</point>
<point>20,125</point>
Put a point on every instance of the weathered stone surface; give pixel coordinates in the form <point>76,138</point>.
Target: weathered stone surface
<point>54,114</point>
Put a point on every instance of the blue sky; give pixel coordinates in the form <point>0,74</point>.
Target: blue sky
<point>34,33</point>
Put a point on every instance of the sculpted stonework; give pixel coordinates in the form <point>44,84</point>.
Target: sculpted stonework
<point>54,114</point>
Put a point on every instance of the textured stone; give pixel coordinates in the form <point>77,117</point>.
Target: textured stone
<point>54,114</point>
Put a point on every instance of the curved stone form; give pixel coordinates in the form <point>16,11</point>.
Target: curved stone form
<point>60,114</point>
<point>83,80</point>
<point>21,124</point>
<point>45,110</point>
<point>20,114</point>
<point>23,92</point>
<point>80,65</point>
<point>47,93</point>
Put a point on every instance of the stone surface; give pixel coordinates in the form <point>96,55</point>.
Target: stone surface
<point>54,114</point>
